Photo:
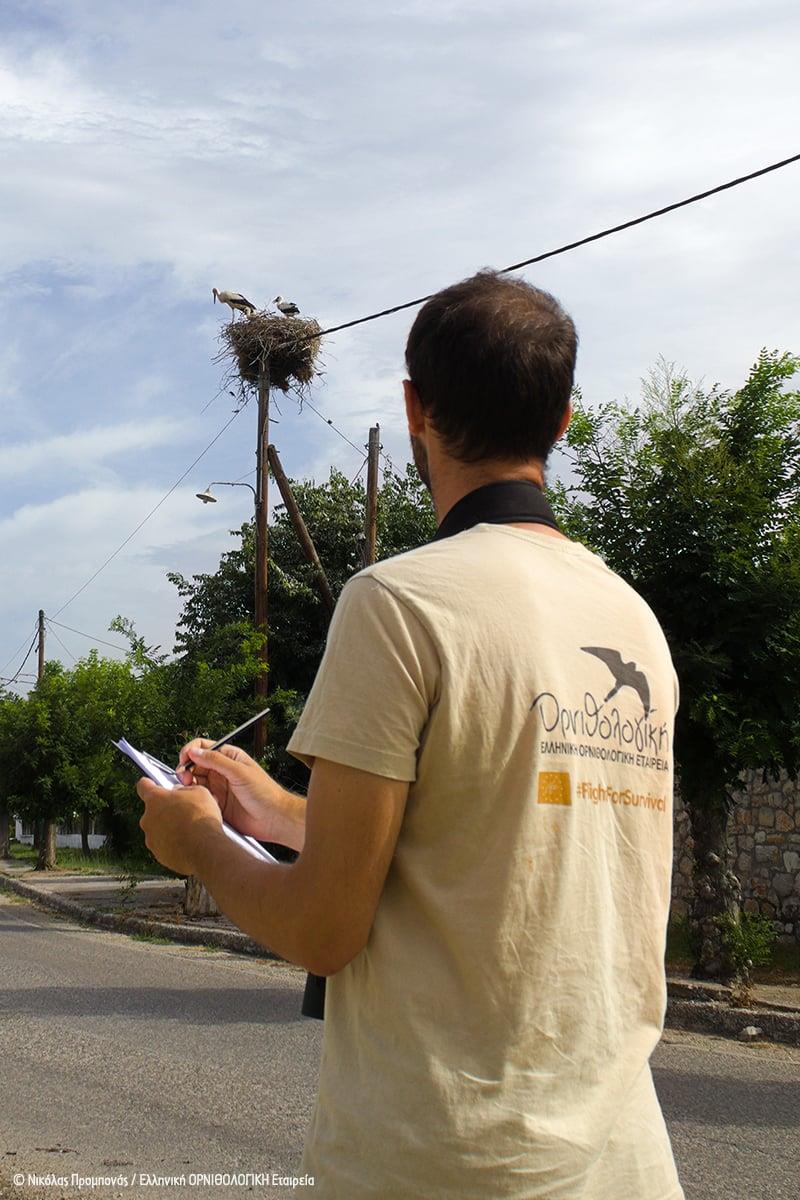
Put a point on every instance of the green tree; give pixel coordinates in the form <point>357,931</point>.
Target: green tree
<point>108,699</point>
<point>12,718</point>
<point>57,760</point>
<point>694,498</point>
<point>43,758</point>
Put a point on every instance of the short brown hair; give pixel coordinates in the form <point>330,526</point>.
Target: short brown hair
<point>493,360</point>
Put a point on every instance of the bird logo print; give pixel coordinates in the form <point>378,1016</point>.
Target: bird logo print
<point>626,674</point>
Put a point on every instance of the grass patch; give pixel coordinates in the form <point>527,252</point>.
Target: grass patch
<point>679,947</point>
<point>96,862</point>
<point>155,940</point>
<point>784,967</point>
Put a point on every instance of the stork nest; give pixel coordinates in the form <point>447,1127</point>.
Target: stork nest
<point>284,348</point>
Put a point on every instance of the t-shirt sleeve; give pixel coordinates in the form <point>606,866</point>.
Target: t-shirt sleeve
<point>375,687</point>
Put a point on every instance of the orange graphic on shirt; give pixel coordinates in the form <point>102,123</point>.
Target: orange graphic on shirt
<point>554,788</point>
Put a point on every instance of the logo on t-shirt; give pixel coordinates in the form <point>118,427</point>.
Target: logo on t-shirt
<point>621,732</point>
<point>626,674</point>
<point>554,788</point>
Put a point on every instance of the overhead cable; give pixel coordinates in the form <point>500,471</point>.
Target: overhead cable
<point>145,519</point>
<point>584,241</point>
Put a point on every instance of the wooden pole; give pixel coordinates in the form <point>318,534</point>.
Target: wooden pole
<point>262,501</point>
<point>300,528</point>
<point>47,848</point>
<point>370,524</point>
<point>40,672</point>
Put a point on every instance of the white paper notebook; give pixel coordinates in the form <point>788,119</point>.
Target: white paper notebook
<point>165,777</point>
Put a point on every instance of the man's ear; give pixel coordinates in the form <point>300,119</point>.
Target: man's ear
<point>565,420</point>
<point>414,413</point>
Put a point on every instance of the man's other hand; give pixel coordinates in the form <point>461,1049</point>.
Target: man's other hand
<point>175,820</point>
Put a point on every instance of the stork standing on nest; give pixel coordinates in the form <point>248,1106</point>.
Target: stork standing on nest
<point>287,307</point>
<point>236,302</point>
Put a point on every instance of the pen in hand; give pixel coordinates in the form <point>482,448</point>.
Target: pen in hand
<point>190,766</point>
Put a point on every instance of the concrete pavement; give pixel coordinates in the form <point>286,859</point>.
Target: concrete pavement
<point>121,1056</point>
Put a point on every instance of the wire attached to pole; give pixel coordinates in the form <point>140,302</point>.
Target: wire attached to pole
<point>584,241</point>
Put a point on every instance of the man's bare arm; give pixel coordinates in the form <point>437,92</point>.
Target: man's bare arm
<point>317,911</point>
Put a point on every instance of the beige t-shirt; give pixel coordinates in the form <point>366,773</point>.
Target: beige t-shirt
<point>492,1038</point>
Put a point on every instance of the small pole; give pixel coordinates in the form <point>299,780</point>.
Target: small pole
<point>262,486</point>
<point>301,529</point>
<point>47,846</point>
<point>370,524</point>
<point>40,672</point>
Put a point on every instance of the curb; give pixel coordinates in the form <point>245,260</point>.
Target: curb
<point>711,1016</point>
<point>223,939</point>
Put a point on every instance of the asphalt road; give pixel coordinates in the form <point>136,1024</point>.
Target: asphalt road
<point>119,1056</point>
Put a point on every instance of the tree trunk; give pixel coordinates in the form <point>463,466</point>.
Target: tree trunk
<point>198,901</point>
<point>47,848</point>
<point>5,833</point>
<point>717,893</point>
<point>86,824</point>
<point>119,836</point>
<point>37,833</point>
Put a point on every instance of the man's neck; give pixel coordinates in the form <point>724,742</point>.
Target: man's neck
<point>448,486</point>
<point>451,484</point>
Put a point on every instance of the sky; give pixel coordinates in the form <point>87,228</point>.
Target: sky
<point>349,157</point>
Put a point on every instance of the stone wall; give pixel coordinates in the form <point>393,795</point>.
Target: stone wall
<point>764,846</point>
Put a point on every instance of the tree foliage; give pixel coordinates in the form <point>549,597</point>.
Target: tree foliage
<point>694,498</point>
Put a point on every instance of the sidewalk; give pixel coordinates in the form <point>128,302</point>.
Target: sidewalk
<point>155,908</point>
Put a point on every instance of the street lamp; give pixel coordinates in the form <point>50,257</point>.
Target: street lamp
<point>207,497</point>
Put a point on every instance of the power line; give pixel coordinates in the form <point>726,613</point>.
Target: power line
<point>145,519</point>
<point>25,659</point>
<point>344,436</point>
<point>61,644</point>
<point>584,241</point>
<point>211,401</point>
<point>89,636</point>
<point>537,258</point>
<point>19,650</point>
<point>360,469</point>
<point>246,475</point>
<point>328,421</point>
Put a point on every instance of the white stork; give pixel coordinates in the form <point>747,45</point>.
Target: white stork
<point>236,302</point>
<point>287,307</point>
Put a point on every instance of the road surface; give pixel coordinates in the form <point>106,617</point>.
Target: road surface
<point>122,1057</point>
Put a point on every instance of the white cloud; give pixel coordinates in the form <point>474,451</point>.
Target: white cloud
<point>55,547</point>
<point>85,449</point>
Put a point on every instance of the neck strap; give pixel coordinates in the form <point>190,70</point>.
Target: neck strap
<point>502,503</point>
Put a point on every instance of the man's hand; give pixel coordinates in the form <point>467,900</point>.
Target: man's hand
<point>175,821</point>
<point>250,800</point>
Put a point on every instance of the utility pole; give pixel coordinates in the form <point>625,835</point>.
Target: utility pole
<point>300,528</point>
<point>370,524</point>
<point>40,672</point>
<point>38,823</point>
<point>47,844</point>
<point>262,501</point>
